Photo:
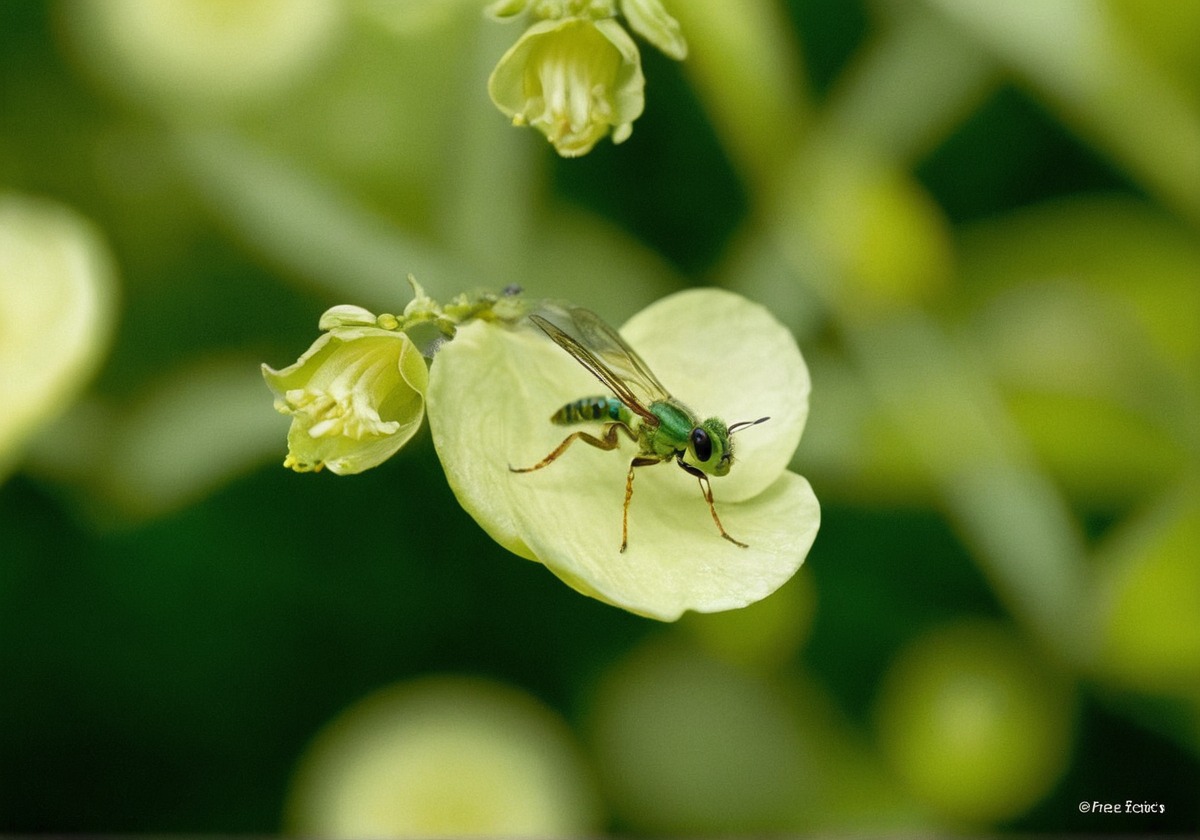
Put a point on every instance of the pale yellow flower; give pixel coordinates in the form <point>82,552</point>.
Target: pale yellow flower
<point>355,397</point>
<point>574,79</point>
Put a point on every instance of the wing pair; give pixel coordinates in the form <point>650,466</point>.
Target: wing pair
<point>598,347</point>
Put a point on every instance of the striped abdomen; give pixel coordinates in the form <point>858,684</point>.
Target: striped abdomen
<point>592,410</point>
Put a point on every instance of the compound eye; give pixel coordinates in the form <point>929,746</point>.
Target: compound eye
<point>701,444</point>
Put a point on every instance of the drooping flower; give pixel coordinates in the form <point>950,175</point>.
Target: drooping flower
<point>574,79</point>
<point>717,352</point>
<point>356,395</point>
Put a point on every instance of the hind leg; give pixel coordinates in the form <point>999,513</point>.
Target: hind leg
<point>608,441</point>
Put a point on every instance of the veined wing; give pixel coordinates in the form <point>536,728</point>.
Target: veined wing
<point>598,347</point>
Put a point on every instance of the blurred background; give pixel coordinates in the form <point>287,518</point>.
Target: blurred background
<point>982,222</point>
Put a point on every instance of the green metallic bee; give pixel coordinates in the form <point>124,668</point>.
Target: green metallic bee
<point>662,427</point>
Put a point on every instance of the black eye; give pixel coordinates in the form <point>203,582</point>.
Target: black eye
<point>701,444</point>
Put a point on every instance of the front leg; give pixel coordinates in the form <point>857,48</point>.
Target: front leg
<point>639,461</point>
<point>706,488</point>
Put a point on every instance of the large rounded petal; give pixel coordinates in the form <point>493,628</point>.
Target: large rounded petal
<point>675,560</point>
<point>491,393</point>
<point>722,354</point>
<point>489,390</point>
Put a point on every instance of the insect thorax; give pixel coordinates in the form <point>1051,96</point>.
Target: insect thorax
<point>675,424</point>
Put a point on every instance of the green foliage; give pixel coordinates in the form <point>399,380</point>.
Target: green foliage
<point>980,221</point>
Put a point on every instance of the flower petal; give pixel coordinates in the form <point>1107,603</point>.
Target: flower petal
<point>491,393</point>
<point>487,389</point>
<point>650,20</point>
<point>346,315</point>
<point>739,363</point>
<point>628,90</point>
<point>675,560</point>
<point>504,9</point>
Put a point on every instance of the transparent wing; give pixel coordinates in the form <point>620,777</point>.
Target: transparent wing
<point>598,347</point>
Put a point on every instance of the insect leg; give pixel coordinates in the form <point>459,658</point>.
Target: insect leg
<point>607,442</point>
<point>706,489</point>
<point>639,461</point>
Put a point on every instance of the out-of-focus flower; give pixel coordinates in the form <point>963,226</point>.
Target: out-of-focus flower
<point>57,295</point>
<point>574,80</point>
<point>356,395</point>
<point>180,55</point>
<point>975,725</point>
<point>444,757</point>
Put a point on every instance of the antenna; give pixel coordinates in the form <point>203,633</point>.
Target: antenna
<point>746,424</point>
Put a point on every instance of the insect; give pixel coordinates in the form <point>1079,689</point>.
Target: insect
<point>663,428</point>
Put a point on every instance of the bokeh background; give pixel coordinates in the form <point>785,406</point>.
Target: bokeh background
<point>982,222</point>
